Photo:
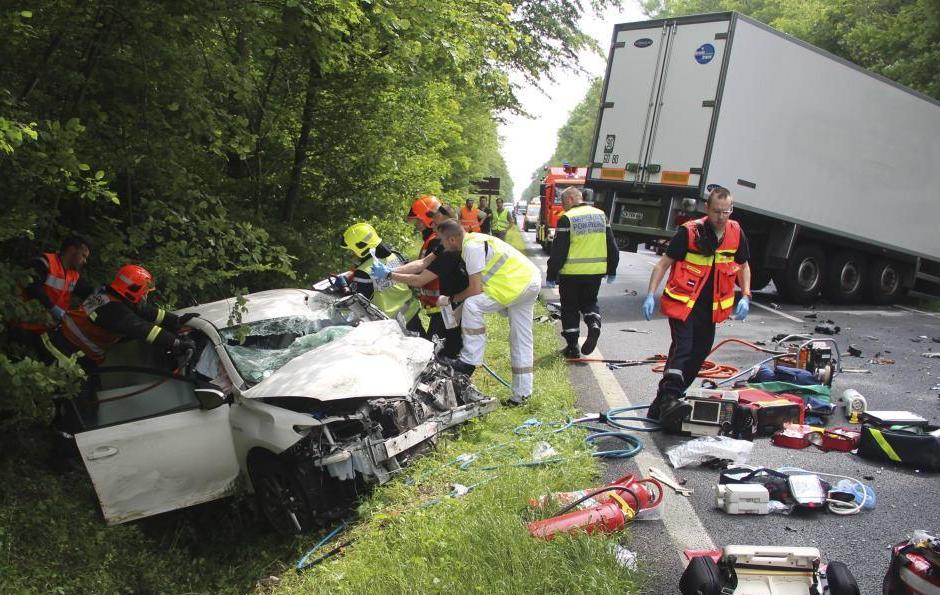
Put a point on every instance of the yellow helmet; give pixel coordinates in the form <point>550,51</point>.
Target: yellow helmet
<point>360,238</point>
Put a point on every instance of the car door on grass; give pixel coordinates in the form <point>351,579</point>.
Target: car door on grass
<point>150,447</point>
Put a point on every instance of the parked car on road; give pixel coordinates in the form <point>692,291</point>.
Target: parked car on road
<point>301,396</point>
<point>531,217</point>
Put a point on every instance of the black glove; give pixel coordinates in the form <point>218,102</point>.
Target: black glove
<point>187,317</point>
<point>182,345</point>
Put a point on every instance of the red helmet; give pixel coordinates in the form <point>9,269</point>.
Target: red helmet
<point>132,282</point>
<point>423,208</point>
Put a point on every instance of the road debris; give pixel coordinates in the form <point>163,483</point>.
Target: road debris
<point>855,371</point>
<point>630,292</point>
<point>881,361</point>
<point>828,328</point>
<point>634,330</point>
<point>855,351</point>
<point>813,315</point>
<point>774,306</point>
<point>931,354</point>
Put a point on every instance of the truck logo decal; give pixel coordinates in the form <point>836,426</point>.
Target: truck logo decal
<point>704,53</point>
<point>643,42</point>
<point>609,143</point>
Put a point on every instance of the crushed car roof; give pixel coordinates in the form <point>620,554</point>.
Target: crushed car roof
<point>263,305</point>
<point>375,359</point>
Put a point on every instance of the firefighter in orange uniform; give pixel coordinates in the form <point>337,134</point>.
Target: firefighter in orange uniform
<point>707,256</point>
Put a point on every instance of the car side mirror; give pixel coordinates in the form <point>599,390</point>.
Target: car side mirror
<point>209,398</point>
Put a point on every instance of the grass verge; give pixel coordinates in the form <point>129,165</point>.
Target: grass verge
<point>410,537</point>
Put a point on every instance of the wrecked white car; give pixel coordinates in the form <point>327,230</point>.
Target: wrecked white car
<point>307,400</point>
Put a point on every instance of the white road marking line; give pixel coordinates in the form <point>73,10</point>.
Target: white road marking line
<point>824,313</point>
<point>682,523</point>
<point>931,314</point>
<point>777,312</point>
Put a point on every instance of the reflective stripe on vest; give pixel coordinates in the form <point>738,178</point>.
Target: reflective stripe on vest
<point>508,273</point>
<point>79,328</point>
<point>389,297</point>
<point>688,276</point>
<point>470,219</point>
<point>587,252</point>
<point>501,220</point>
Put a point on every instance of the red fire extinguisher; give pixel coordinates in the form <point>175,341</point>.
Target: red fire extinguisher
<point>606,517</point>
<point>648,492</point>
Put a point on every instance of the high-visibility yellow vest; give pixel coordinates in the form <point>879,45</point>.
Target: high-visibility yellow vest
<point>507,274</point>
<point>587,251</point>
<point>500,220</point>
<point>388,296</point>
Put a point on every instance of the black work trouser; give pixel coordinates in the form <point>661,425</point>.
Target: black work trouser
<point>452,337</point>
<point>692,339</point>
<point>578,298</point>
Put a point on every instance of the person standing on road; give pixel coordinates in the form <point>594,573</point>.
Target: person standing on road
<point>486,216</point>
<point>470,217</point>
<point>501,279</point>
<point>583,251</point>
<point>502,220</point>
<point>704,259</point>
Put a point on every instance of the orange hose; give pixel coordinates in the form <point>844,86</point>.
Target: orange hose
<point>710,369</point>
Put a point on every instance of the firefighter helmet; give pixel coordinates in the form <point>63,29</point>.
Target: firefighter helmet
<point>360,238</point>
<point>132,282</point>
<point>424,208</point>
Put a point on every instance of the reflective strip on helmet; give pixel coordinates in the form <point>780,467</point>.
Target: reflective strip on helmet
<point>58,355</point>
<point>495,267</point>
<point>126,280</point>
<point>161,314</point>
<point>55,282</point>
<point>474,331</point>
<point>77,332</point>
<point>367,237</point>
<point>527,370</point>
<point>153,334</point>
<point>585,260</point>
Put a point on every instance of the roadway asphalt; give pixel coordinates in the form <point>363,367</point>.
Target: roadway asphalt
<point>906,500</point>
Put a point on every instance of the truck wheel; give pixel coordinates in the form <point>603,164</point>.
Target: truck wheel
<point>803,278</point>
<point>280,494</point>
<point>839,580</point>
<point>760,278</point>
<point>847,277</point>
<point>884,281</point>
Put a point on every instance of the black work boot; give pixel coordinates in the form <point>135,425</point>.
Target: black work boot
<point>673,410</point>
<point>594,333</point>
<point>571,351</point>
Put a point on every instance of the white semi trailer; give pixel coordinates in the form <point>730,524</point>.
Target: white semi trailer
<point>835,171</point>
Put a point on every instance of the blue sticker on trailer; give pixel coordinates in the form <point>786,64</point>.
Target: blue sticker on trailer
<point>644,42</point>
<point>704,53</point>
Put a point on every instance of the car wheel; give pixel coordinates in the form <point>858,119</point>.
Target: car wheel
<point>847,277</point>
<point>840,580</point>
<point>280,494</point>
<point>804,275</point>
<point>884,281</point>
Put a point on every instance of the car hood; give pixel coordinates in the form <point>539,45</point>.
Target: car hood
<point>374,360</point>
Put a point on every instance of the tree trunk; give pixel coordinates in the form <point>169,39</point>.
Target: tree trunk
<point>300,149</point>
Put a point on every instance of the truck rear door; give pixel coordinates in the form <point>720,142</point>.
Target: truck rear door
<point>662,83</point>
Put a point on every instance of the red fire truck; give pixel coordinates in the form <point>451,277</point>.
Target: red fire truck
<point>556,181</point>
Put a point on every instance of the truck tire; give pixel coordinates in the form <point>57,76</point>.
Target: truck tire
<point>847,277</point>
<point>803,278</point>
<point>884,281</point>
<point>840,580</point>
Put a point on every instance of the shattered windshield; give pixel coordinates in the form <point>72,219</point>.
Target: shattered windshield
<point>260,348</point>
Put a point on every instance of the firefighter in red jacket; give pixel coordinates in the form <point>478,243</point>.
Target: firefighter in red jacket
<point>56,277</point>
<point>707,256</point>
<point>112,313</point>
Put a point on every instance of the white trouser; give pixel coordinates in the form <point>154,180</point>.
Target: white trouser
<point>520,333</point>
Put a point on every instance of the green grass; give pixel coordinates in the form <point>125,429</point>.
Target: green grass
<point>52,538</point>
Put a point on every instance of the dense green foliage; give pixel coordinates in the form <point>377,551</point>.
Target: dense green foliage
<point>224,146</point>
<point>574,137</point>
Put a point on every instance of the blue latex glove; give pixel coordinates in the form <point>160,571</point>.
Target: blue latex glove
<point>744,306</point>
<point>57,312</point>
<point>648,304</point>
<point>381,271</point>
<point>611,279</point>
<point>551,284</point>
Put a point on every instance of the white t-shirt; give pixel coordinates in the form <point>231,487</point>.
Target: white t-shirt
<point>475,256</point>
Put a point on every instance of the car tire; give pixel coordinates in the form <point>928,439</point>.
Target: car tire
<point>840,580</point>
<point>280,495</point>
<point>885,281</point>
<point>847,277</point>
<point>803,278</point>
